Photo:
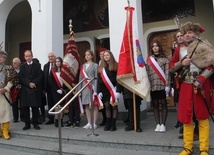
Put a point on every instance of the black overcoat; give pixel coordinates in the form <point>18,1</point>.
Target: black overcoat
<point>30,97</point>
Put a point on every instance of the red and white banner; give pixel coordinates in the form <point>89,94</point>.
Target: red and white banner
<point>71,64</point>
<point>131,71</point>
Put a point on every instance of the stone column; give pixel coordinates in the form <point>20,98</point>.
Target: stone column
<point>47,28</point>
<point>117,19</point>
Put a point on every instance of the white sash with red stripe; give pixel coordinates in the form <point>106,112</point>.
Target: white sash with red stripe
<point>110,87</point>
<point>59,84</point>
<point>96,99</point>
<point>153,63</point>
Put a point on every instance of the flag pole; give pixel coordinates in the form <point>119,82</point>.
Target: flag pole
<point>134,112</point>
<point>70,25</point>
<point>128,3</point>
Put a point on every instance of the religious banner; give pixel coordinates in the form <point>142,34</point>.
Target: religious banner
<point>131,66</point>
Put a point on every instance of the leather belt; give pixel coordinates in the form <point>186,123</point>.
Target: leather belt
<point>190,77</point>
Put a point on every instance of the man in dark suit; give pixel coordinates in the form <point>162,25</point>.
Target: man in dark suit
<point>30,77</point>
<point>47,86</point>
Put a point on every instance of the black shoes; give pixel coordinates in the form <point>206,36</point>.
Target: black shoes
<point>139,129</point>
<point>49,122</point>
<point>77,124</point>
<point>36,127</point>
<point>26,127</point>
<point>15,121</point>
<point>128,128</point>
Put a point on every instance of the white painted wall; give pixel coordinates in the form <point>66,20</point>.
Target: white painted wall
<point>47,28</point>
<point>117,19</point>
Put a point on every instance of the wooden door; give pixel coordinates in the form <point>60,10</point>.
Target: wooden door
<point>22,48</point>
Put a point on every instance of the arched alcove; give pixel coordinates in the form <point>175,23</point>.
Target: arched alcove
<point>18,30</point>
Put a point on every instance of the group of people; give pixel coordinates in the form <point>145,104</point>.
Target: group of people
<point>192,83</point>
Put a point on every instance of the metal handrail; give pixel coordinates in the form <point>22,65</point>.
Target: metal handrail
<point>59,113</point>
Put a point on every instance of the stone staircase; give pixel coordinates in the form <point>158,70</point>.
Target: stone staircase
<point>77,141</point>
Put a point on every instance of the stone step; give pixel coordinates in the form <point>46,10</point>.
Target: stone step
<point>77,140</point>
<point>33,147</point>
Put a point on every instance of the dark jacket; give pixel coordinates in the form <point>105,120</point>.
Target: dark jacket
<point>46,75</point>
<point>101,86</point>
<point>30,97</point>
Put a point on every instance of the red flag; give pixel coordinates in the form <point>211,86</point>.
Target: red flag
<point>131,71</point>
<point>71,64</point>
<point>126,51</point>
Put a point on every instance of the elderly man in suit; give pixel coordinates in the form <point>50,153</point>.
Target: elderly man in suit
<point>47,84</point>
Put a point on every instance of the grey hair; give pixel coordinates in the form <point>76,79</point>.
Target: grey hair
<point>17,60</point>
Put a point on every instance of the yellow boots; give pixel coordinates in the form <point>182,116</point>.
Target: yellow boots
<point>188,139</point>
<point>204,128</point>
<point>5,130</point>
<point>204,133</point>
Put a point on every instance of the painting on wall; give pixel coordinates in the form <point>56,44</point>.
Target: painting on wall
<point>86,15</point>
<point>159,10</point>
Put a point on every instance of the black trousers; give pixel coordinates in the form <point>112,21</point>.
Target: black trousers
<point>131,111</point>
<point>35,111</point>
<point>74,113</point>
<point>17,110</point>
<point>50,103</point>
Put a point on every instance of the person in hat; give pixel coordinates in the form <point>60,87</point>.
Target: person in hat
<point>6,82</point>
<point>194,80</point>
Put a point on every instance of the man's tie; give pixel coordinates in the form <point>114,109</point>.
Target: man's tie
<point>51,65</point>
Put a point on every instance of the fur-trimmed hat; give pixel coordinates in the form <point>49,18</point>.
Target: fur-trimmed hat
<point>3,54</point>
<point>190,26</point>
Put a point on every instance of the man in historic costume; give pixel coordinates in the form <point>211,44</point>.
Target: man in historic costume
<point>194,87</point>
<point>5,85</point>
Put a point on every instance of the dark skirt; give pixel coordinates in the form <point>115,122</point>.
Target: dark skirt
<point>158,95</point>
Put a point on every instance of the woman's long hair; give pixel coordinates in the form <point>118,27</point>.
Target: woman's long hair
<point>112,65</point>
<point>161,52</point>
<point>55,68</point>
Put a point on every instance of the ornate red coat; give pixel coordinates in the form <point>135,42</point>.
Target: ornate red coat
<point>189,101</point>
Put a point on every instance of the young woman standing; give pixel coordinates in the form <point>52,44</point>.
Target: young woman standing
<point>106,89</point>
<point>158,74</point>
<point>57,89</point>
<point>89,70</point>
